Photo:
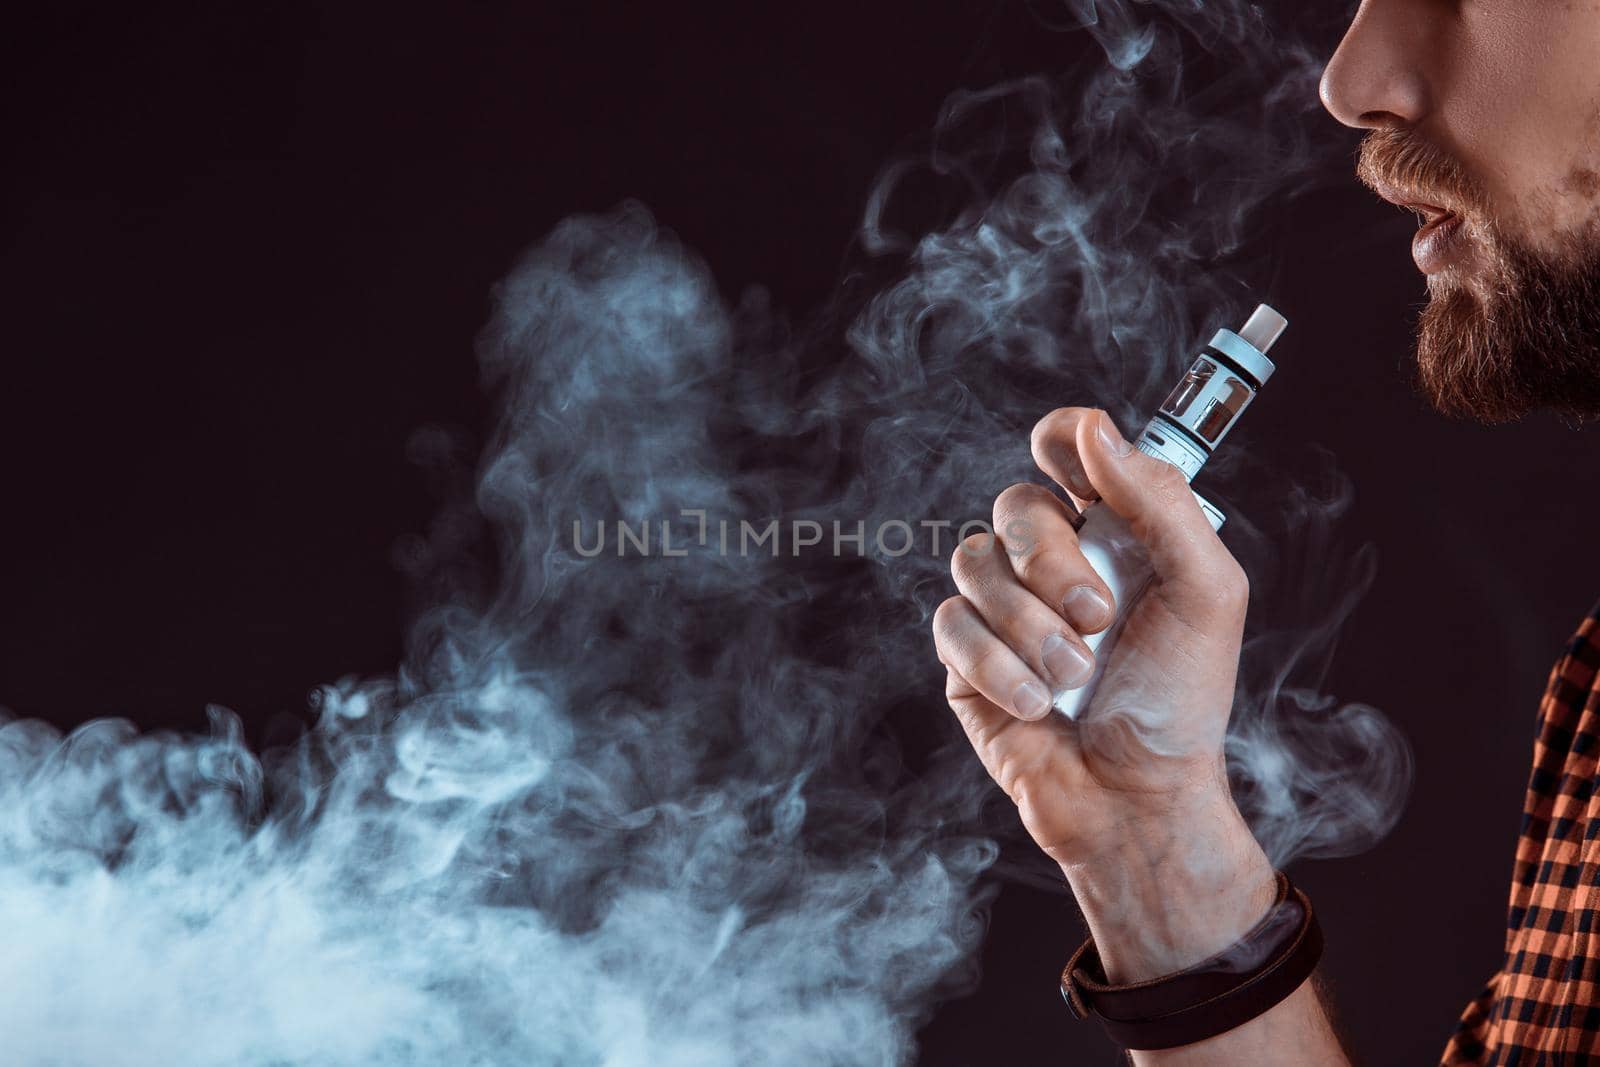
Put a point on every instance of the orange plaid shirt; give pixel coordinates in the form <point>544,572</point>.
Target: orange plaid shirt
<point>1543,1007</point>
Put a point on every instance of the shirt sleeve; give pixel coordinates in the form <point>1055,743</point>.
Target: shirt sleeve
<point>1468,1045</point>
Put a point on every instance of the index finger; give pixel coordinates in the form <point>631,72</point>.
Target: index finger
<point>1054,444</point>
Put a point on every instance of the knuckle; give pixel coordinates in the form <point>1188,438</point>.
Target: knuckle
<point>990,662</point>
<point>948,615</point>
<point>1018,513</point>
<point>1235,583</point>
<point>1015,499</point>
<point>1008,775</point>
<point>960,565</point>
<point>1168,481</point>
<point>1163,487</point>
<point>978,544</point>
<point>967,559</point>
<point>1231,585</point>
<point>1035,561</point>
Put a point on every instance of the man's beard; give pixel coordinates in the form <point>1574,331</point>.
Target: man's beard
<point>1525,336</point>
<point>1524,333</point>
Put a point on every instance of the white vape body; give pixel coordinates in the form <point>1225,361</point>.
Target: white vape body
<point>1195,418</point>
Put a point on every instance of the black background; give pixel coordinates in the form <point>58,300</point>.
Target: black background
<point>245,252</point>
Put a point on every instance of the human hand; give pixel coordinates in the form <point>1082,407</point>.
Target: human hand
<point>1135,787</point>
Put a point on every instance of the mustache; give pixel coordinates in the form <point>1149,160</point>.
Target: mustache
<point>1402,159</point>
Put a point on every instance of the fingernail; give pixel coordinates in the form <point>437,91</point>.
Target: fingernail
<point>1066,662</point>
<point>1085,608</point>
<point>1032,700</point>
<point>1077,479</point>
<point>1109,436</point>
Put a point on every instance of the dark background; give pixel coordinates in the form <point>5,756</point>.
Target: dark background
<point>245,252</point>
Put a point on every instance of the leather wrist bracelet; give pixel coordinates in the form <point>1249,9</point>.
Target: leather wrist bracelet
<point>1238,984</point>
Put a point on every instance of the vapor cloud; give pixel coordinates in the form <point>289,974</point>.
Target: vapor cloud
<point>705,810</point>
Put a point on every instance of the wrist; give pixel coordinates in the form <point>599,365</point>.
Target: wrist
<point>1173,892</point>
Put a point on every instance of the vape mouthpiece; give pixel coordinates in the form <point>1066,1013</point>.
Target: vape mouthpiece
<point>1263,329</point>
<point>1218,387</point>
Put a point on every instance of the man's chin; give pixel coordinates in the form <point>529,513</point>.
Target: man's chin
<point>1527,337</point>
<point>1462,369</point>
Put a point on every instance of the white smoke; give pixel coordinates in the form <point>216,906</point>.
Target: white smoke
<point>703,809</point>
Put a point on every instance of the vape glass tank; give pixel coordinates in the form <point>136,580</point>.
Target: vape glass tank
<point>1211,396</point>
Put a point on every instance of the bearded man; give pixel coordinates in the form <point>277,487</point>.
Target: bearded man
<point>1484,118</point>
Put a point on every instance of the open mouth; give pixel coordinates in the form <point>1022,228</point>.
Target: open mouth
<point>1428,215</point>
<point>1438,240</point>
<point>1441,237</point>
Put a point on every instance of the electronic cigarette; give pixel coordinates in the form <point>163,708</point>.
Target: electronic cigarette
<point>1206,404</point>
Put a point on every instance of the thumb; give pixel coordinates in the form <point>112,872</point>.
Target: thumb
<point>1154,498</point>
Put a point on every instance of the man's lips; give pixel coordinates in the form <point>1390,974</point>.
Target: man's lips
<point>1438,244</point>
<point>1439,241</point>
